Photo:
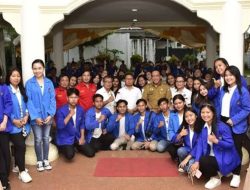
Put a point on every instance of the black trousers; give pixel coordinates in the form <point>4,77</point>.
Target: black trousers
<point>4,158</point>
<point>102,143</point>
<point>172,150</point>
<point>69,150</point>
<point>209,166</point>
<point>19,150</point>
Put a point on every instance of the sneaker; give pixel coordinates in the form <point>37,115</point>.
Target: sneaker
<point>181,170</point>
<point>47,165</point>
<point>40,167</point>
<point>213,182</point>
<point>235,182</point>
<point>25,177</point>
<point>15,169</point>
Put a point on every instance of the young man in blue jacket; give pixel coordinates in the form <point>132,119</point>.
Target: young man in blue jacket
<point>121,126</point>
<point>95,123</point>
<point>70,128</point>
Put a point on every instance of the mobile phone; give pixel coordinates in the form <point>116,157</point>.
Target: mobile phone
<point>198,174</point>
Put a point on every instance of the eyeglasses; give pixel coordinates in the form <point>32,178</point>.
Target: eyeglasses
<point>179,81</point>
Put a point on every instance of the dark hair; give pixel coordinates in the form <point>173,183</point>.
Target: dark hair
<point>178,96</point>
<point>141,100</point>
<point>184,124</point>
<point>87,70</point>
<point>223,60</point>
<point>182,76</point>
<point>107,77</point>
<point>128,74</point>
<point>214,121</point>
<point>121,101</point>
<point>236,73</point>
<point>162,100</point>
<point>71,91</point>
<point>200,100</point>
<point>137,81</point>
<point>38,61</point>
<point>20,85</point>
<point>72,76</point>
<point>63,75</point>
<point>97,96</point>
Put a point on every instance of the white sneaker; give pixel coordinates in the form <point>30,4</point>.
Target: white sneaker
<point>47,165</point>
<point>181,170</point>
<point>40,167</point>
<point>213,182</point>
<point>235,182</point>
<point>15,169</point>
<point>25,177</point>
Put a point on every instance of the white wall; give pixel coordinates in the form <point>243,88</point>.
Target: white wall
<point>117,41</point>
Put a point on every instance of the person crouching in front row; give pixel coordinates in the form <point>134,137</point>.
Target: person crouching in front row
<point>70,128</point>
<point>121,126</point>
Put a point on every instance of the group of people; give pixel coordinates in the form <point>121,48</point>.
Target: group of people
<point>200,118</point>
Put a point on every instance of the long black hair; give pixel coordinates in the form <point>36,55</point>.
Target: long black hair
<point>224,61</point>
<point>214,121</point>
<point>179,97</point>
<point>184,124</point>
<point>236,73</point>
<point>20,85</point>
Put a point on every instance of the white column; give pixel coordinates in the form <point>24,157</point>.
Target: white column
<point>129,51</point>
<point>32,40</point>
<point>231,37</point>
<point>210,47</point>
<point>58,50</point>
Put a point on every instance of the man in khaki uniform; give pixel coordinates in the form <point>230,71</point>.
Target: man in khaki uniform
<point>156,90</point>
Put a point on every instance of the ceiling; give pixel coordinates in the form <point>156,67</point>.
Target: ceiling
<point>118,13</point>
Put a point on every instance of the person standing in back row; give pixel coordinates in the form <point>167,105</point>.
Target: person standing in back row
<point>42,108</point>
<point>156,90</point>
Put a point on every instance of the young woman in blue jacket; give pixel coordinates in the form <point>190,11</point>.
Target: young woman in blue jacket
<point>143,125</point>
<point>234,110</point>
<point>5,128</point>
<point>19,121</point>
<point>187,135</point>
<point>215,154</point>
<point>42,108</point>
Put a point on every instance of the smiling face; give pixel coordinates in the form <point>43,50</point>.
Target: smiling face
<point>220,67</point>
<point>141,107</point>
<point>230,79</point>
<point>197,84</point>
<point>38,70</point>
<point>190,118</point>
<point>15,78</point>
<point>122,108</point>
<point>64,82</point>
<point>141,82</point>
<point>207,115</point>
<point>203,90</point>
<point>179,105</point>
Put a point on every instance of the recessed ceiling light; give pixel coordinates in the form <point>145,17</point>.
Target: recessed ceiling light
<point>135,20</point>
<point>134,10</point>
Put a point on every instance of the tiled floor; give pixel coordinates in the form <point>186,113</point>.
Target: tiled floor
<point>78,175</point>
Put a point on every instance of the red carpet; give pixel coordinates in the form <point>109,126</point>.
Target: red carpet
<point>135,167</point>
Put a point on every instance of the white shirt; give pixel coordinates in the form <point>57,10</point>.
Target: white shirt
<point>209,131</point>
<point>173,90</point>
<point>222,82</point>
<point>143,126</point>
<point>74,118</point>
<point>98,131</point>
<point>191,135</point>
<point>106,95</point>
<point>166,120</point>
<point>225,109</point>
<point>130,95</point>
<point>122,131</point>
<point>19,98</point>
<point>180,117</point>
<point>186,94</point>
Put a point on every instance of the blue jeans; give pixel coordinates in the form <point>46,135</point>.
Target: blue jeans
<point>162,145</point>
<point>182,153</point>
<point>41,134</point>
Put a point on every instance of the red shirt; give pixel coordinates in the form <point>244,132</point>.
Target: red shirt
<point>61,96</point>
<point>86,94</point>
